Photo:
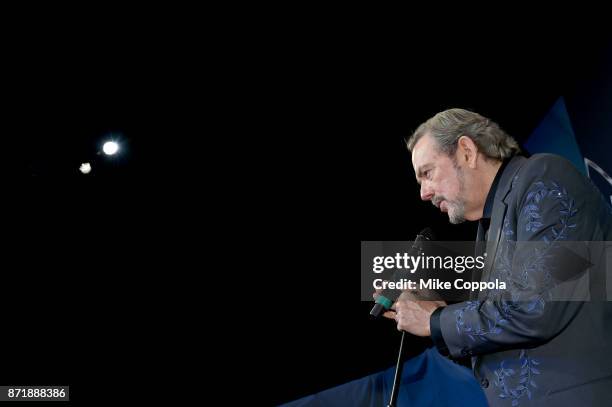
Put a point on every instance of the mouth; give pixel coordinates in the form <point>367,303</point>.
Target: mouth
<point>438,203</point>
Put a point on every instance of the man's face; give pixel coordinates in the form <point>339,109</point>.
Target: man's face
<point>441,179</point>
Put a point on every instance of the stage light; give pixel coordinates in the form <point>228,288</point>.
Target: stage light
<point>110,148</point>
<point>85,168</point>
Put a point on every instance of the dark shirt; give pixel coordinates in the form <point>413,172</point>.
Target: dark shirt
<point>485,221</point>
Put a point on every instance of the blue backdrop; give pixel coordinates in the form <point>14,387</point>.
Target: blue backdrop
<point>579,128</point>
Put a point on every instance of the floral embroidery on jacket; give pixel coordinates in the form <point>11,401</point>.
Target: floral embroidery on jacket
<point>535,264</point>
<point>526,378</point>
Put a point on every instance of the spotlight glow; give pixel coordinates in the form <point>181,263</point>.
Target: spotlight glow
<point>85,168</point>
<point>110,148</point>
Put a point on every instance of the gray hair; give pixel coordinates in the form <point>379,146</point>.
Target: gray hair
<point>448,126</point>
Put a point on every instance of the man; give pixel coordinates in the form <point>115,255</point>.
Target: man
<point>527,349</point>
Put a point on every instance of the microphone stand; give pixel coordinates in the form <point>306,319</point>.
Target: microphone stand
<point>398,373</point>
<point>384,302</point>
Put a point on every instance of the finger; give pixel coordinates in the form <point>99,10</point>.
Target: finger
<point>389,314</point>
<point>400,304</point>
<point>400,326</point>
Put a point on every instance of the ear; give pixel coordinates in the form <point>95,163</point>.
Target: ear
<point>467,151</point>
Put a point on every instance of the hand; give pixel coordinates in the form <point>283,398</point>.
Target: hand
<point>413,315</point>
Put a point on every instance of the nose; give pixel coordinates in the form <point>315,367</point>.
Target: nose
<point>426,191</point>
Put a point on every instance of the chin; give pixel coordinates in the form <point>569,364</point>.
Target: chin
<point>455,220</point>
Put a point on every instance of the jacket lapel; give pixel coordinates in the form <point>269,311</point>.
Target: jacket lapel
<point>499,212</point>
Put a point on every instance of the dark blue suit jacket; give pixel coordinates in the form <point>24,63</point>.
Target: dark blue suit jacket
<point>546,339</point>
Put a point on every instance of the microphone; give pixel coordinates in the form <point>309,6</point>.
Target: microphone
<point>386,299</point>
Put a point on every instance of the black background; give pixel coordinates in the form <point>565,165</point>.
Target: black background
<point>284,149</point>
<point>91,267</point>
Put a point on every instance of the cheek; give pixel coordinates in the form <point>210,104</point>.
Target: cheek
<point>450,190</point>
